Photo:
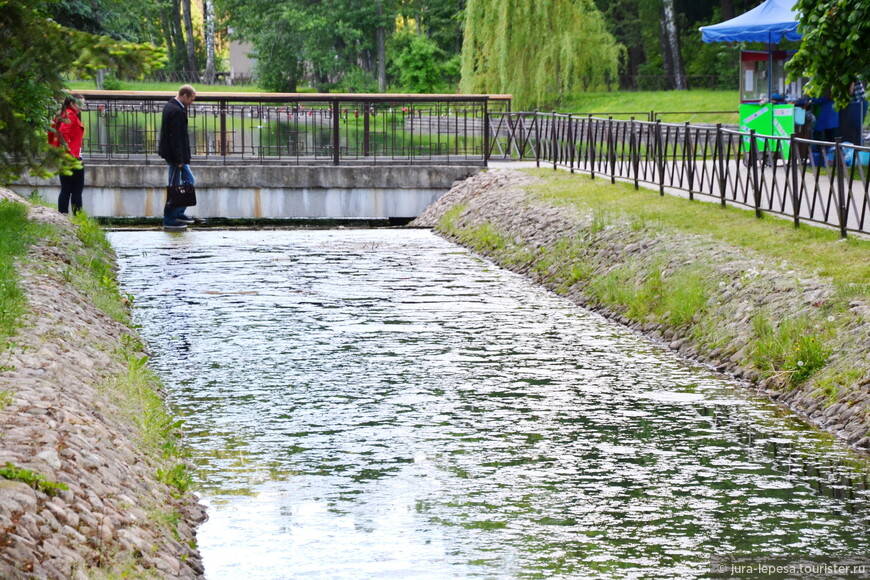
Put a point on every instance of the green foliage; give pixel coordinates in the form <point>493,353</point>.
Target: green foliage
<point>5,399</point>
<point>835,47</point>
<point>177,477</point>
<point>92,268</point>
<point>416,63</point>
<point>684,295</point>
<point>356,80</point>
<point>112,83</point>
<point>17,233</point>
<point>35,53</point>
<point>791,352</point>
<point>278,66</point>
<point>35,480</point>
<point>537,51</point>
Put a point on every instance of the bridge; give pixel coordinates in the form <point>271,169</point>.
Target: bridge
<point>389,156</point>
<point>284,155</point>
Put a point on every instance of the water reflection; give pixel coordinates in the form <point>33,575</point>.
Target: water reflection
<point>380,404</point>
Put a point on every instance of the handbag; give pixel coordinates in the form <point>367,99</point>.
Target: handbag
<point>182,195</point>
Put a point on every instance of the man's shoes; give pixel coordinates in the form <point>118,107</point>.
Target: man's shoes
<point>177,227</point>
<point>183,219</point>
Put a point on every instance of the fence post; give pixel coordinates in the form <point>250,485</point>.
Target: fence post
<point>223,139</point>
<point>689,160</point>
<point>486,129</point>
<point>660,157</point>
<point>840,168</point>
<point>366,130</point>
<point>753,162</point>
<point>634,155</point>
<point>611,145</point>
<point>571,143</point>
<point>554,135</point>
<point>590,149</point>
<point>793,160</point>
<point>720,147</point>
<point>537,146</point>
<point>336,132</point>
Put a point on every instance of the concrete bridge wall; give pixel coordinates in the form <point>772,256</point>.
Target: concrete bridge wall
<point>264,191</point>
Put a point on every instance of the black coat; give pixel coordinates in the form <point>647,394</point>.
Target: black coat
<point>174,144</point>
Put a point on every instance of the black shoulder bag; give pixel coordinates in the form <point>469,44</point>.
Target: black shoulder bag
<point>183,195</point>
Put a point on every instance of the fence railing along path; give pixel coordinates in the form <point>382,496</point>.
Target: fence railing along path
<point>809,181</point>
<point>302,129</point>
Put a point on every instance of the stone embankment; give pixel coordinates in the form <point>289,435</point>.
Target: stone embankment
<point>80,494</point>
<point>498,214</point>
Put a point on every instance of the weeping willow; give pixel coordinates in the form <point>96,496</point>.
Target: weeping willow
<point>539,51</point>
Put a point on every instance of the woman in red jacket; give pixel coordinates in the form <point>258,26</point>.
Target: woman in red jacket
<point>72,131</point>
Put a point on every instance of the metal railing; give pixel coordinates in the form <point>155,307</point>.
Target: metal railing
<point>300,129</point>
<point>808,181</point>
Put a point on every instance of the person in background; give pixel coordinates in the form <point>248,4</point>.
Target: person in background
<point>70,132</point>
<point>859,97</point>
<point>174,148</point>
<point>827,120</point>
<point>852,117</point>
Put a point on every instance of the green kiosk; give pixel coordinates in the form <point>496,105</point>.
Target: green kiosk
<point>764,92</point>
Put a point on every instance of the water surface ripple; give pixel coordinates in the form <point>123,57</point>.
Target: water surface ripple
<point>383,404</point>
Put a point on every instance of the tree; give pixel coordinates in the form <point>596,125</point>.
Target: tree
<point>188,35</point>
<point>416,64</point>
<point>35,53</point>
<point>208,17</point>
<point>673,58</point>
<point>835,48</point>
<point>539,51</point>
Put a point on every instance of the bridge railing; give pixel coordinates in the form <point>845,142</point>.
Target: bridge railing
<point>298,129</point>
<point>826,183</point>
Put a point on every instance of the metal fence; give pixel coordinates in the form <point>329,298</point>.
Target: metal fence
<point>808,181</point>
<point>297,129</point>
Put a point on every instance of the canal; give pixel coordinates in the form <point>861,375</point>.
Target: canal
<point>383,404</point>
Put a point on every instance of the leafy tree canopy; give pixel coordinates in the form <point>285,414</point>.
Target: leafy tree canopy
<point>35,53</point>
<point>539,51</point>
<point>835,48</point>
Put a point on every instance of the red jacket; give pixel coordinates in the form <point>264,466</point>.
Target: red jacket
<point>72,131</point>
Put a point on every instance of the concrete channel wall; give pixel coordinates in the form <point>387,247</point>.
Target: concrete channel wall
<point>263,191</point>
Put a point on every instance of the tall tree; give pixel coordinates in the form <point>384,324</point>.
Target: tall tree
<point>835,48</point>
<point>208,18</point>
<point>381,40</point>
<point>673,58</point>
<point>538,51</point>
<point>188,34</point>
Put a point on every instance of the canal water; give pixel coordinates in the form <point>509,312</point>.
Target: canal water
<point>384,404</point>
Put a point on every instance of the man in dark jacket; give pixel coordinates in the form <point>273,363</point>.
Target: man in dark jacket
<point>174,147</point>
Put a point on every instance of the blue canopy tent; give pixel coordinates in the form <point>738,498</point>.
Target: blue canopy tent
<point>769,22</point>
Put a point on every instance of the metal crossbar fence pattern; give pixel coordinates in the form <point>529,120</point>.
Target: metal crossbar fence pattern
<point>300,129</point>
<point>809,181</point>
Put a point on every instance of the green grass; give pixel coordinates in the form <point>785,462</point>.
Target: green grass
<point>92,268</point>
<point>35,480</point>
<point>705,105</point>
<point>845,262</point>
<point>17,234</point>
<point>790,351</point>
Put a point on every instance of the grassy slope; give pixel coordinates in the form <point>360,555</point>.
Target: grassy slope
<point>813,249</point>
